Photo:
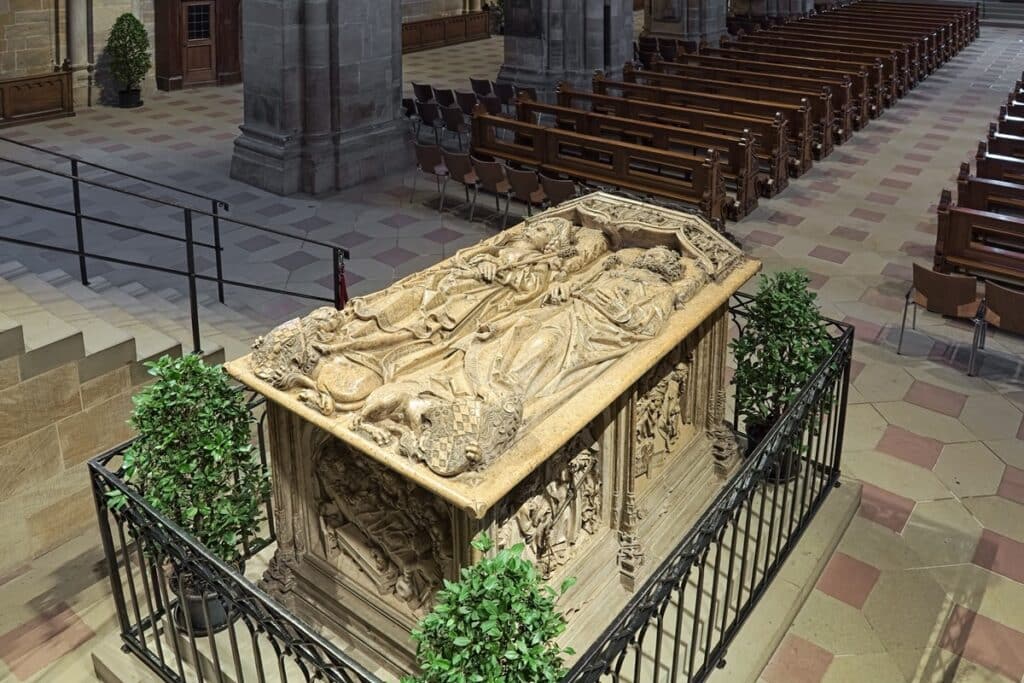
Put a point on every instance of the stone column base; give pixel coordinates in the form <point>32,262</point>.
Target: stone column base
<point>371,152</point>
<point>269,162</point>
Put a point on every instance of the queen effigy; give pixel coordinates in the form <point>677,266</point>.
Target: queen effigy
<point>560,385</point>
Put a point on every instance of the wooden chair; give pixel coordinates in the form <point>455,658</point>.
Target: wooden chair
<point>460,169</point>
<point>422,92</point>
<point>505,92</point>
<point>481,86</point>
<point>409,112</point>
<point>955,296</point>
<point>526,188</point>
<point>1004,309</point>
<point>558,190</point>
<point>493,178</point>
<point>430,116</point>
<point>466,101</point>
<point>444,97</point>
<point>455,122</point>
<point>430,161</point>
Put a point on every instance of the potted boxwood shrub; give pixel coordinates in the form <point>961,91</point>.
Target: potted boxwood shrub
<point>497,623</point>
<point>193,461</point>
<point>128,50</point>
<point>782,345</point>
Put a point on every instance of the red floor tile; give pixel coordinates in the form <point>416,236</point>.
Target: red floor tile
<point>913,448</point>
<point>938,399</point>
<point>879,198</point>
<point>28,648</point>
<point>986,642</point>
<point>1012,485</point>
<point>829,254</point>
<point>863,330</point>
<point>797,661</point>
<point>885,508</point>
<point>848,579</point>
<point>866,215</point>
<point>1000,554</point>
<point>764,237</point>
<point>850,233</point>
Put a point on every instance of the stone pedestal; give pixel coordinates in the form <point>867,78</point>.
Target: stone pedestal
<point>323,87</point>
<point>690,21</point>
<point>549,41</point>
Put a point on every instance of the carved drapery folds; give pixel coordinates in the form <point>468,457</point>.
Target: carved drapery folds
<point>659,411</point>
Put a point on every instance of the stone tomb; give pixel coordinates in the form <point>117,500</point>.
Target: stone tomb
<point>560,384</point>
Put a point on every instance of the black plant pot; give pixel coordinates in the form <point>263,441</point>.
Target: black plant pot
<point>197,615</point>
<point>786,465</point>
<point>129,99</point>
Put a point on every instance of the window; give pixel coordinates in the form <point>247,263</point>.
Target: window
<point>198,22</point>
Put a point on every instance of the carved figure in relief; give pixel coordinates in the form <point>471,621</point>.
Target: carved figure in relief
<point>658,412</point>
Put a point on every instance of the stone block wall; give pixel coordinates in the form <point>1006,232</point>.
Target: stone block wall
<point>424,9</point>
<point>30,35</point>
<point>52,424</point>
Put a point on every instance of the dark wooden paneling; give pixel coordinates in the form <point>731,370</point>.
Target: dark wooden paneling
<point>170,39</point>
<point>440,31</point>
<point>34,98</point>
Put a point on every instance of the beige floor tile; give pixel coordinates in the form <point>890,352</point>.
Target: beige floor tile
<point>895,475</point>
<point>907,609</point>
<point>922,421</point>
<point>878,546</point>
<point>991,416</point>
<point>877,668</point>
<point>864,427</point>
<point>883,382</point>
<point>1002,516</point>
<point>946,377</point>
<point>942,532</point>
<point>969,469</point>
<point>835,626</point>
<point>982,591</point>
<point>935,665</point>
<point>1010,451</point>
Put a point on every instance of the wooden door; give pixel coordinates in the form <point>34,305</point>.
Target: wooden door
<point>199,52</point>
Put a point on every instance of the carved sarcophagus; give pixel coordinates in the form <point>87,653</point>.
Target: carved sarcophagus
<point>560,385</point>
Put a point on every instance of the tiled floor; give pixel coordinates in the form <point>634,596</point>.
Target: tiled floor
<point>927,583</point>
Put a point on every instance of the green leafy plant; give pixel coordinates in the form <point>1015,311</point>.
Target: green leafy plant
<point>193,460</point>
<point>128,48</point>
<point>783,344</point>
<point>497,623</point>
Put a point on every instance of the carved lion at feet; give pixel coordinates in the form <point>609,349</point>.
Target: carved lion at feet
<point>450,436</point>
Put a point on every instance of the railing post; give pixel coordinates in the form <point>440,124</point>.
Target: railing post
<point>113,572</point>
<point>217,249</point>
<point>340,288</point>
<point>193,301</point>
<point>79,233</point>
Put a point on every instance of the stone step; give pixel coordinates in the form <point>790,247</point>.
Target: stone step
<point>107,347</point>
<point>233,344</point>
<point>12,338</point>
<point>46,341</point>
<point>150,343</point>
<point>123,298</point>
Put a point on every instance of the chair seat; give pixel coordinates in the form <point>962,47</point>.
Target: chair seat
<point>470,178</point>
<point>440,169</point>
<point>538,196</point>
<point>503,187</point>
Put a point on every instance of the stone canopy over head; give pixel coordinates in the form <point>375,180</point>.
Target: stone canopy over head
<point>453,364</point>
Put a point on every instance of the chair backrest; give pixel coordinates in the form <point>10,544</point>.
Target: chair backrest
<point>524,183</point>
<point>422,92</point>
<point>669,50</point>
<point>951,295</point>
<point>466,101</point>
<point>529,93</point>
<point>492,104</point>
<point>444,97</point>
<point>408,107</point>
<point>490,173</point>
<point>459,165</point>
<point>481,86</point>
<point>428,112</point>
<point>454,119</point>
<point>558,190</point>
<point>505,91</point>
<point>1005,308</point>
<point>428,157</point>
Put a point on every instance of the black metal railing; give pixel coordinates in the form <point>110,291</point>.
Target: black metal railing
<point>152,563</point>
<point>189,214</point>
<point>677,627</point>
<point>680,623</point>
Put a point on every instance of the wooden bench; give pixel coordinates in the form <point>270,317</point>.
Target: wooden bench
<point>695,180</point>
<point>969,13</point>
<point>985,194</point>
<point>1003,144</point>
<point>425,34</point>
<point>1010,125</point>
<point>876,78</point>
<point>797,117</point>
<point>820,101</point>
<point>736,153</point>
<point>36,98</point>
<point>998,167</point>
<point>953,36</point>
<point>978,242</point>
<point>893,79</point>
<point>770,135</point>
<point>941,45</point>
<point>1014,107</point>
<point>926,43</point>
<point>962,21</point>
<point>849,92</point>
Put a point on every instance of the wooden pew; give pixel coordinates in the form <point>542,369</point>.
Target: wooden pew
<point>1014,107</point>
<point>952,35</point>
<point>971,12</point>
<point>1010,125</point>
<point>942,42</point>
<point>842,96</point>
<point>876,71</point>
<point>798,117</point>
<point>998,167</point>
<point>964,20</point>
<point>770,135</point>
<point>1003,144</point>
<point>978,242</point>
<point>847,87</point>
<point>908,50</point>
<point>820,102</point>
<point>894,79</point>
<point>926,42</point>
<point>695,180</point>
<point>736,153</point>
<point>985,194</point>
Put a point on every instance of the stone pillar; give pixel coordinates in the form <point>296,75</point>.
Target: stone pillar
<point>688,20</point>
<point>77,12</point>
<point>548,41</point>
<point>322,94</point>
